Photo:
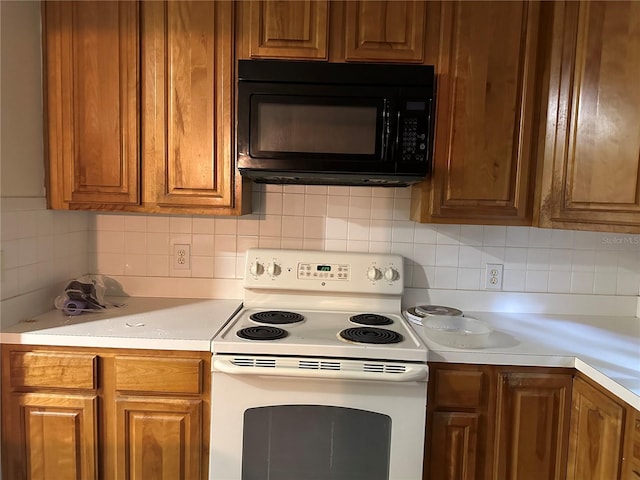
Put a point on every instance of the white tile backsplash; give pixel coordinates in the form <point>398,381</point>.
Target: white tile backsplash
<point>42,247</point>
<point>332,218</point>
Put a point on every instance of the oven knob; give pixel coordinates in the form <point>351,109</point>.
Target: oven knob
<point>391,274</point>
<point>273,269</point>
<point>256,269</point>
<point>373,273</point>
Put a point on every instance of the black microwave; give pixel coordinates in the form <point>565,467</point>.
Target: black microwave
<point>334,123</point>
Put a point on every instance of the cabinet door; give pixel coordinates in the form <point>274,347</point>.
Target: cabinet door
<point>385,31</point>
<point>188,97</point>
<point>159,438</point>
<point>532,420</point>
<point>591,173</point>
<point>595,439</point>
<point>454,446</point>
<point>486,105</point>
<point>286,29</point>
<point>50,436</point>
<point>457,433</point>
<point>92,103</point>
<point>631,461</point>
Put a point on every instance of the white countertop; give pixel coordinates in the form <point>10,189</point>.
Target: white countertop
<point>605,348</point>
<point>146,323</point>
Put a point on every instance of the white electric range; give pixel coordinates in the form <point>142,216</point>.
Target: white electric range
<point>319,373</point>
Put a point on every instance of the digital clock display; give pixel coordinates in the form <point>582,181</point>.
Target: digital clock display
<point>324,268</point>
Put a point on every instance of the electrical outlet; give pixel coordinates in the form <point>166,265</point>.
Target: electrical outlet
<point>182,257</point>
<point>493,279</point>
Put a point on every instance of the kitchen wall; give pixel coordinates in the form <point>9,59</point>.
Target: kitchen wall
<point>368,219</point>
<point>41,249</point>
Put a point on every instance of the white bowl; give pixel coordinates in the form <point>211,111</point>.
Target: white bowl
<point>459,332</point>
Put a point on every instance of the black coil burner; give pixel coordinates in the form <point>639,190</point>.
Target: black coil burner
<point>276,317</point>
<point>371,319</point>
<point>370,335</point>
<point>262,332</point>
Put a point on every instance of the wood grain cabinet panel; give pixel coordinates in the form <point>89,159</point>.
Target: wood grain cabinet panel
<point>501,423</point>
<point>92,102</point>
<point>159,439</point>
<point>531,426</point>
<point>595,442</point>
<point>385,31</point>
<point>139,107</point>
<point>455,388</point>
<point>188,62</point>
<point>631,460</point>
<point>458,408</point>
<point>455,446</point>
<point>82,414</point>
<point>52,437</point>
<point>288,29</point>
<point>487,100</point>
<point>53,370</point>
<point>591,177</point>
<point>152,374</point>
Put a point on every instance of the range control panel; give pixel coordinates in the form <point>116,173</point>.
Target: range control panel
<point>330,271</point>
<point>324,270</point>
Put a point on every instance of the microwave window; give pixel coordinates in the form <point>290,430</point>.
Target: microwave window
<point>317,128</point>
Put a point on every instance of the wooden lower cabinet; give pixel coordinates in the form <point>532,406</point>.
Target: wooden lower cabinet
<point>488,422</point>
<point>82,414</point>
<point>454,439</point>
<point>159,439</point>
<point>458,402</point>
<point>526,423</point>
<point>532,421</point>
<point>631,460</point>
<point>48,436</point>
<point>596,438</point>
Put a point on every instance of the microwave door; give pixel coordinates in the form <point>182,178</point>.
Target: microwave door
<point>314,132</point>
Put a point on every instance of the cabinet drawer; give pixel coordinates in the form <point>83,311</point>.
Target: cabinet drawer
<point>53,369</point>
<point>458,388</point>
<point>158,375</point>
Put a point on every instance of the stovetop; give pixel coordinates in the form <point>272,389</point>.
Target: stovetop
<point>320,291</point>
<point>318,334</point>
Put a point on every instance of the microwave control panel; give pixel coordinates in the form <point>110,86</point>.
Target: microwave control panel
<point>414,131</point>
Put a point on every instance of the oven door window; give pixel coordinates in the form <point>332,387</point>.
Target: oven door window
<point>294,442</point>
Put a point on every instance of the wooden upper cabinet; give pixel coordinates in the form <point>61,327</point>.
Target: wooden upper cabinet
<point>338,31</point>
<point>188,97</point>
<point>139,107</point>
<point>486,106</point>
<point>286,29</point>
<point>385,31</point>
<point>591,173</point>
<point>92,102</point>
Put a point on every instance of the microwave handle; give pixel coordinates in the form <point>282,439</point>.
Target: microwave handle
<point>398,123</point>
<point>386,126</point>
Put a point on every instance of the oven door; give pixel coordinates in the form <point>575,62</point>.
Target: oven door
<point>311,421</point>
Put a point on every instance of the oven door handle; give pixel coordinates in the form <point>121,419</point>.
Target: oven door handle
<point>411,372</point>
